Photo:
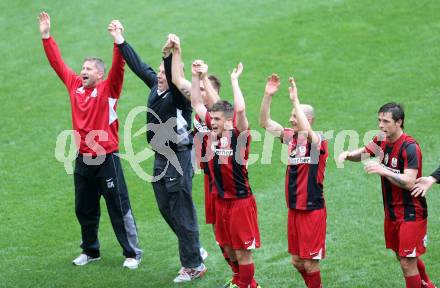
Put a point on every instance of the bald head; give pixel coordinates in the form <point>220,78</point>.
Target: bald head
<point>308,110</point>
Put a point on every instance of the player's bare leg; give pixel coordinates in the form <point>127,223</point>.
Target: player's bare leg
<point>309,269</point>
<point>410,271</point>
<point>231,259</point>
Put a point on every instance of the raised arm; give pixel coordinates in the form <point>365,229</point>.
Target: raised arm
<point>53,53</point>
<point>196,96</point>
<point>177,73</point>
<point>301,118</point>
<point>239,104</point>
<point>116,74</point>
<point>273,127</point>
<point>140,68</point>
<point>211,93</point>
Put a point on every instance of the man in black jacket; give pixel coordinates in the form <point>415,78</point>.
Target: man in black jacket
<point>168,133</point>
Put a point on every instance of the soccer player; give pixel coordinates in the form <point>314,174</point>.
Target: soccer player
<point>308,152</point>
<point>423,184</point>
<point>236,223</point>
<point>168,122</point>
<point>400,163</point>
<point>98,170</point>
<point>209,89</point>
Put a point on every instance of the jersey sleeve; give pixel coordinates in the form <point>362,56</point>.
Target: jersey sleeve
<point>373,147</point>
<point>141,69</point>
<point>411,156</point>
<point>319,146</point>
<point>208,120</point>
<point>53,54</point>
<point>116,74</point>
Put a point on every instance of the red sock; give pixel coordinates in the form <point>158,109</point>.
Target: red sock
<point>235,272</point>
<point>422,270</point>
<point>304,275</point>
<point>314,279</point>
<point>413,281</point>
<point>246,274</point>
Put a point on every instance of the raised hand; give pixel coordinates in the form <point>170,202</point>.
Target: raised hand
<point>44,20</point>
<point>115,29</point>
<point>293,93</point>
<point>197,67</point>
<point>118,25</point>
<point>174,41</point>
<point>237,71</point>
<point>272,85</point>
<point>203,70</point>
<point>166,49</point>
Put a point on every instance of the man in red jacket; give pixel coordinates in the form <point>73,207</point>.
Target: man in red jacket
<point>98,170</point>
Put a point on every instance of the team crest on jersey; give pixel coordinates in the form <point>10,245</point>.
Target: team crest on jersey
<point>223,142</point>
<point>394,162</point>
<point>302,151</point>
<point>385,160</point>
<point>94,93</point>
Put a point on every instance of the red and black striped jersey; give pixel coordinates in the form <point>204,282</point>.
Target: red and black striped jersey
<point>228,166</point>
<point>94,115</point>
<point>403,154</point>
<point>305,171</point>
<point>201,137</point>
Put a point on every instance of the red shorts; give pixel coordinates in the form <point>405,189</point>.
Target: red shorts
<point>210,196</point>
<point>306,233</point>
<point>237,223</point>
<point>406,239</point>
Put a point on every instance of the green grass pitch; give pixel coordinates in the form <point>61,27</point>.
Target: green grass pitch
<point>348,57</point>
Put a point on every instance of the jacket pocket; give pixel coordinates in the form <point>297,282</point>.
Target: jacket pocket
<point>173,184</point>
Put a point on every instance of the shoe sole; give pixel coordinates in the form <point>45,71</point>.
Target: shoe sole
<point>85,263</point>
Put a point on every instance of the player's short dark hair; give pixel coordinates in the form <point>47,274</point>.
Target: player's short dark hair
<point>215,82</point>
<point>396,111</point>
<point>100,65</point>
<point>223,106</point>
